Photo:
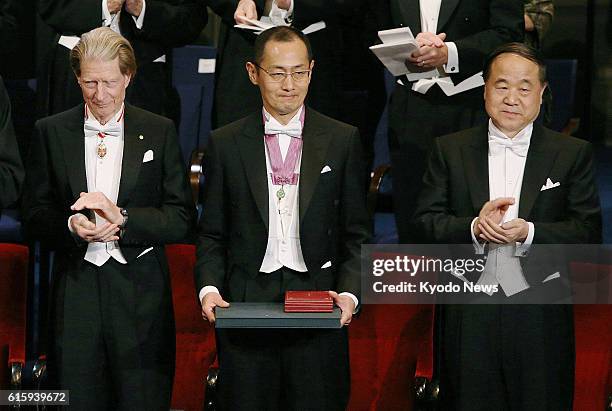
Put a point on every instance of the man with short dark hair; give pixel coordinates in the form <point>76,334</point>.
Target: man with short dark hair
<point>454,37</point>
<point>284,210</point>
<point>504,187</point>
<point>106,189</point>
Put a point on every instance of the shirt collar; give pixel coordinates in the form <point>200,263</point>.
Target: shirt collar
<point>524,134</point>
<point>117,119</point>
<point>274,122</point>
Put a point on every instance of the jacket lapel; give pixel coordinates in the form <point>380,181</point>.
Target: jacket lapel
<point>447,7</point>
<point>72,138</point>
<point>253,155</point>
<point>314,147</point>
<point>540,160</point>
<point>476,162</point>
<point>133,150</point>
<point>409,12</point>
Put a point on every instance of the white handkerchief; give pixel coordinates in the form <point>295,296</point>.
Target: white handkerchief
<point>148,156</point>
<point>144,252</point>
<point>326,169</point>
<point>326,265</point>
<point>552,277</point>
<point>549,184</point>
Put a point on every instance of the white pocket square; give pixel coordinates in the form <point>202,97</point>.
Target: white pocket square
<point>552,277</point>
<point>144,252</point>
<point>549,184</point>
<point>326,169</point>
<point>148,156</point>
<point>326,265</point>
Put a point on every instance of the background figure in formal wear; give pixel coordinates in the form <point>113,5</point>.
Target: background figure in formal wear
<point>11,170</point>
<point>284,210</point>
<point>506,187</point>
<point>455,36</point>
<point>235,97</point>
<point>538,19</point>
<point>106,188</point>
<point>153,28</point>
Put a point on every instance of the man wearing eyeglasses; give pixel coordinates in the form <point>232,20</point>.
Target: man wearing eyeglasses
<point>284,209</point>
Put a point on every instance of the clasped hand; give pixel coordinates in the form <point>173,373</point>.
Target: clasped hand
<point>247,9</point>
<point>432,51</point>
<point>488,226</point>
<point>101,205</point>
<point>134,7</point>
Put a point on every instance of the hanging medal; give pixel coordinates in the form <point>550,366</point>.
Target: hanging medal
<point>283,171</point>
<point>101,147</point>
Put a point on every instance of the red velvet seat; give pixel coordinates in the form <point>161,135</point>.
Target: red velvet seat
<point>13,293</point>
<point>195,338</point>
<point>390,345</point>
<point>593,356</point>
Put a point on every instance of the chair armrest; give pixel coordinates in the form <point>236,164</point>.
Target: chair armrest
<point>39,371</point>
<point>426,392</point>
<point>16,375</point>
<point>210,396</point>
<point>196,170</point>
<point>571,127</point>
<point>373,190</point>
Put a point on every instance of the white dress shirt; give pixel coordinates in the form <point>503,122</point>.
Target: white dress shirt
<point>103,175</point>
<point>506,169</point>
<point>283,248</point>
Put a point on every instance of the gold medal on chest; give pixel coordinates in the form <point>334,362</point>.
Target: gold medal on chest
<point>101,149</point>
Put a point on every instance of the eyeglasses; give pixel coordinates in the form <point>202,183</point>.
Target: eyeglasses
<point>280,76</point>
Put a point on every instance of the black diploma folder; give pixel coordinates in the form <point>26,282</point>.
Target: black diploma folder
<point>272,315</point>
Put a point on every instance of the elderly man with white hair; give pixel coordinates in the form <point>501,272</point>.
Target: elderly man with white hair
<point>106,188</point>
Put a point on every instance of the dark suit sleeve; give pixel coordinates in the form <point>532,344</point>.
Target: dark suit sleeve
<point>45,217</point>
<point>173,219</point>
<point>71,16</point>
<point>506,24</point>
<point>173,25</point>
<point>212,239</point>
<point>11,170</point>
<point>582,224</point>
<point>355,224</point>
<point>8,27</point>
<point>434,218</point>
<point>307,12</point>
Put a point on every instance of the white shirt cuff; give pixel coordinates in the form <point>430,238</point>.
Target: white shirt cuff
<point>140,20</point>
<point>452,65</point>
<point>207,289</point>
<point>478,246</point>
<point>355,300</point>
<point>522,249</point>
<point>106,15</point>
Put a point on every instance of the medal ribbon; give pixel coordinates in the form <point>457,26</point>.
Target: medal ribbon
<point>283,172</point>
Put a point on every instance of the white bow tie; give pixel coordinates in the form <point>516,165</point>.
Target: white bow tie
<point>292,129</point>
<point>109,130</point>
<point>497,145</point>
